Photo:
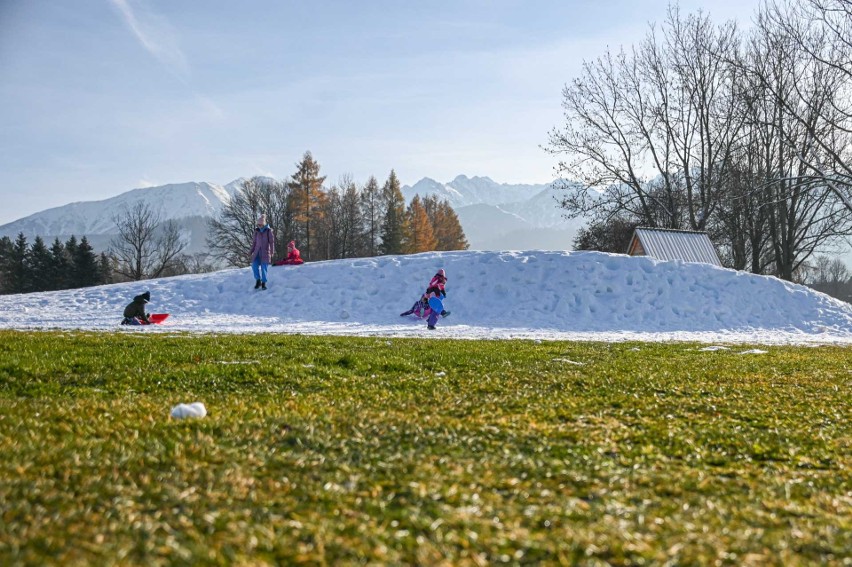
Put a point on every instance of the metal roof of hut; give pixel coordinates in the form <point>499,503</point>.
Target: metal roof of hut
<point>669,244</point>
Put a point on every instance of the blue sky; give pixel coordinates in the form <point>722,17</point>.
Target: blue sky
<point>98,97</point>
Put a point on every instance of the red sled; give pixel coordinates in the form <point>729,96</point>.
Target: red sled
<point>153,319</point>
<point>156,318</point>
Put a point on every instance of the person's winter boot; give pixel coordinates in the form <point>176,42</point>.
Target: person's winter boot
<point>257,284</point>
<point>445,313</point>
<point>430,327</point>
<point>263,285</point>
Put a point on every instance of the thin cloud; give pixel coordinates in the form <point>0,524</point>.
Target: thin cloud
<point>156,36</point>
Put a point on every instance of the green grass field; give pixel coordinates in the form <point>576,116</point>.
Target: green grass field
<point>346,450</point>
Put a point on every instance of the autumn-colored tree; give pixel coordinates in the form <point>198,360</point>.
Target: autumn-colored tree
<point>307,202</point>
<point>445,224</point>
<point>417,234</point>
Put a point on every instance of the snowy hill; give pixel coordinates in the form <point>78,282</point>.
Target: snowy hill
<point>530,294</point>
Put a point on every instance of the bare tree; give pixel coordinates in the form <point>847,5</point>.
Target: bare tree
<point>651,133</point>
<point>821,31</point>
<point>805,211</point>
<point>145,247</point>
<point>830,276</point>
<point>232,231</point>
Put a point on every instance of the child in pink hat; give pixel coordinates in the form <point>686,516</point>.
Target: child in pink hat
<point>436,288</point>
<point>262,251</point>
<point>294,257</point>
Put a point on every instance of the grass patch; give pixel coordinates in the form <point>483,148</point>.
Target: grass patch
<point>338,450</point>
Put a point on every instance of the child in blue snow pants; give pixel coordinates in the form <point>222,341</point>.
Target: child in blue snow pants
<point>433,318</point>
<point>262,251</point>
<point>259,268</point>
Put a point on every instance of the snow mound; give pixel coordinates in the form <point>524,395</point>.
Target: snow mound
<point>184,411</point>
<point>516,294</point>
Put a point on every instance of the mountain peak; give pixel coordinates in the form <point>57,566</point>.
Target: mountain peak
<point>464,178</point>
<point>172,201</point>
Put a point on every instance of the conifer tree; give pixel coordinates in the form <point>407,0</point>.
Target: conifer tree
<point>70,277</point>
<point>372,213</point>
<point>352,223</point>
<point>5,264</point>
<point>417,234</point>
<point>104,269</point>
<point>394,220</point>
<point>17,274</point>
<point>39,267</point>
<point>306,201</point>
<point>59,266</point>
<point>86,270</point>
<point>449,228</point>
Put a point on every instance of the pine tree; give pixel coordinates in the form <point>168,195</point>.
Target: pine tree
<point>104,269</point>
<point>306,201</point>
<point>70,277</point>
<point>6,247</point>
<point>418,235</point>
<point>58,275</point>
<point>393,226</point>
<point>86,270</point>
<point>39,266</point>
<point>353,228</point>
<point>372,214</point>
<point>18,273</point>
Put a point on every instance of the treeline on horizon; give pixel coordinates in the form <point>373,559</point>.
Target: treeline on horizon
<point>28,268</point>
<point>343,221</point>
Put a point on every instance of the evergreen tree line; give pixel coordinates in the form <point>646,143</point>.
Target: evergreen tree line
<point>343,221</point>
<point>743,133</point>
<point>27,268</point>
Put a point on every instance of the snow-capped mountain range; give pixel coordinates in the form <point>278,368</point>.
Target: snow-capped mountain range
<point>493,215</point>
<point>173,201</point>
<point>502,216</point>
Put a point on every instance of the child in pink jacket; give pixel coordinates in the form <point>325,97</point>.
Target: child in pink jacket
<point>436,288</point>
<point>262,251</point>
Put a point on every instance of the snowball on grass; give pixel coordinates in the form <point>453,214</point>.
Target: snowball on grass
<point>183,411</point>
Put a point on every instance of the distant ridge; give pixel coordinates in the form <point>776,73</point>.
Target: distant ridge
<point>494,215</point>
<point>504,216</point>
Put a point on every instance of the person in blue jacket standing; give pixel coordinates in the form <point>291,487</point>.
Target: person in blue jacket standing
<point>262,251</point>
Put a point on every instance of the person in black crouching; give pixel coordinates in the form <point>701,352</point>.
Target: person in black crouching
<point>134,313</point>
